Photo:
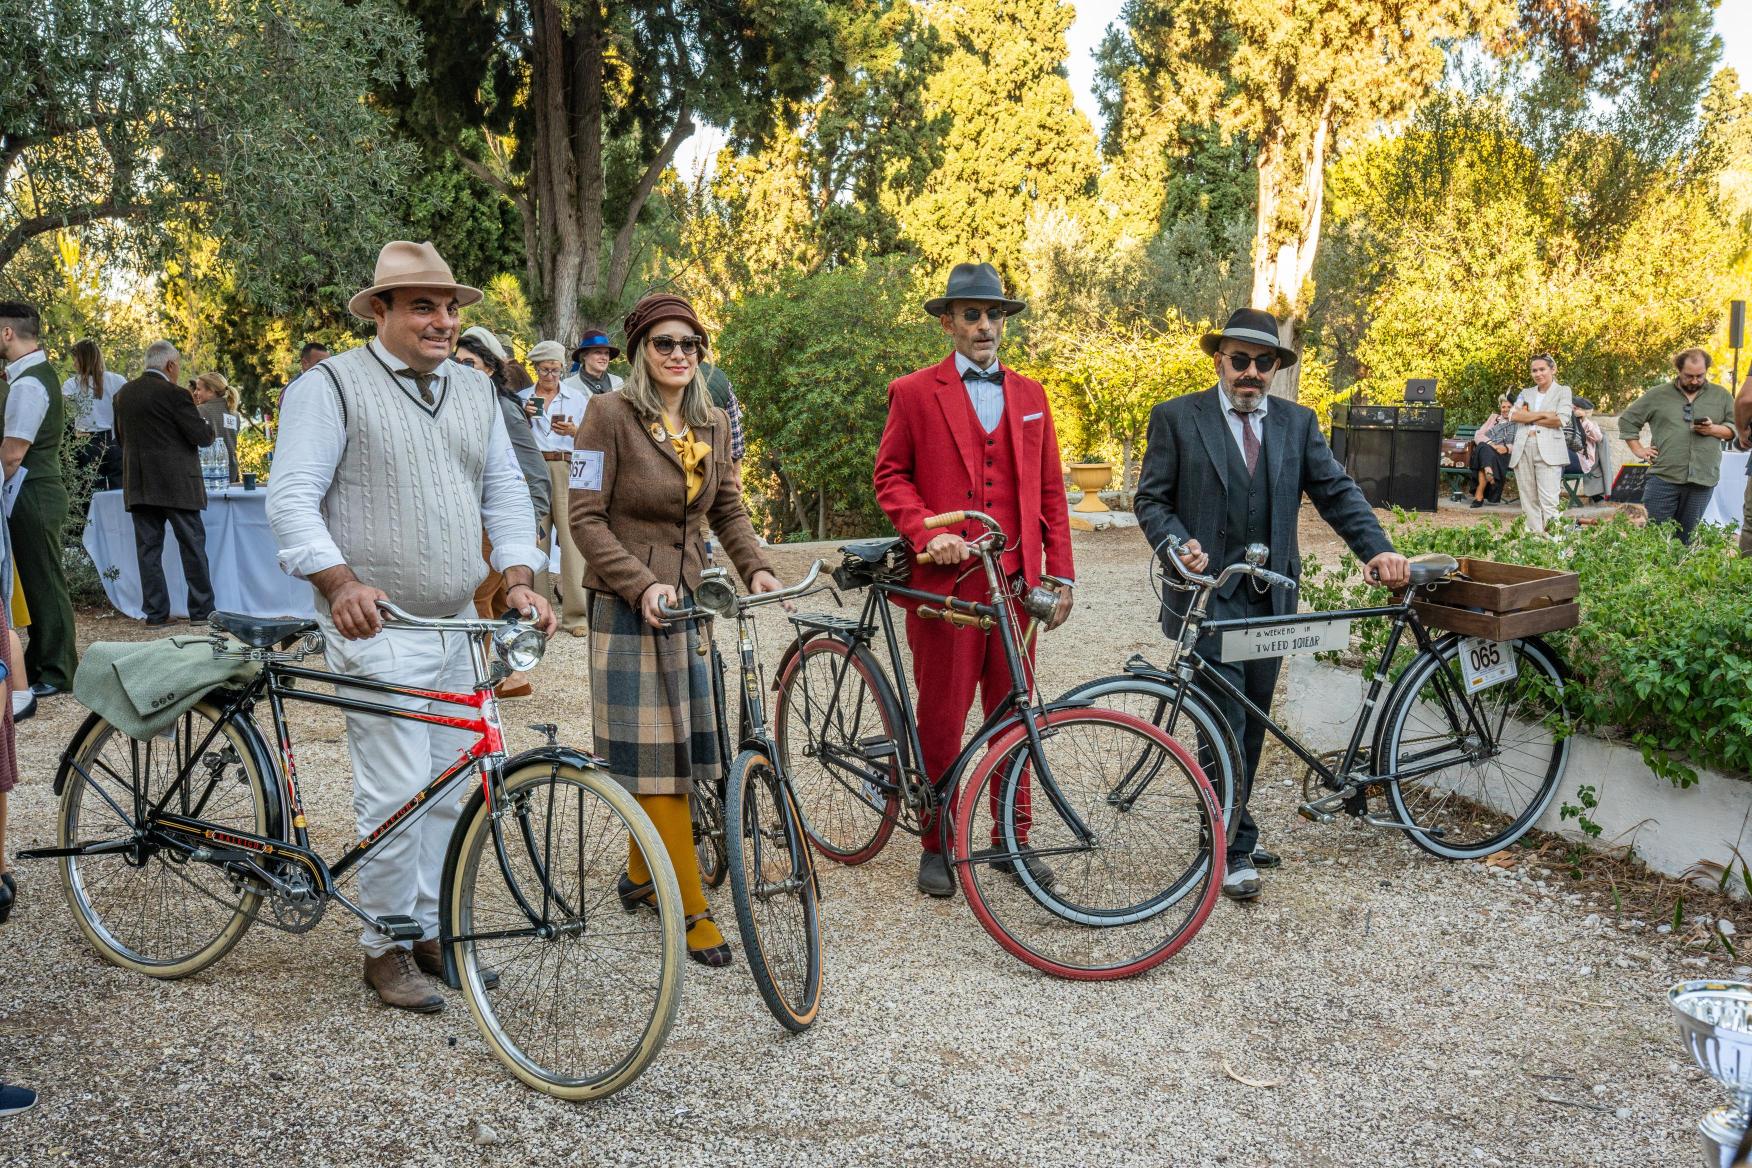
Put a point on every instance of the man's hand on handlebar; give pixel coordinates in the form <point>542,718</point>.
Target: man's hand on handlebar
<point>523,598</point>
<point>1390,570</point>
<point>353,608</point>
<point>1194,557</point>
<point>655,595</point>
<point>1061,612</point>
<point>947,548</point>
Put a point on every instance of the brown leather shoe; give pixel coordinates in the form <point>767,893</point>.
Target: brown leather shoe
<point>430,958</point>
<point>399,982</point>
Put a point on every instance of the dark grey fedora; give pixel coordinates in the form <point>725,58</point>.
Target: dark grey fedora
<point>1256,327</point>
<point>974,282</point>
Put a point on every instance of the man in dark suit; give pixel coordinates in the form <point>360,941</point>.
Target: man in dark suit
<point>1226,468</point>
<point>161,433</point>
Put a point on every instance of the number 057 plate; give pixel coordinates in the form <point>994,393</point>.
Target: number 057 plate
<point>1486,663</point>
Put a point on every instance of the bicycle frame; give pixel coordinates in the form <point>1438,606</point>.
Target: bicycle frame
<point>1018,705</point>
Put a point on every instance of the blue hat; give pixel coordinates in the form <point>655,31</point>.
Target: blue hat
<point>594,339</point>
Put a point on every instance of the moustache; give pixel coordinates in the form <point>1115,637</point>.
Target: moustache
<point>1250,383</point>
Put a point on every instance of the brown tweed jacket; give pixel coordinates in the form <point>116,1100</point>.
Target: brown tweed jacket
<point>636,529</point>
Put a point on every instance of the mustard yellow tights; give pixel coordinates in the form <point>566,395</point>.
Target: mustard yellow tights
<point>674,824</point>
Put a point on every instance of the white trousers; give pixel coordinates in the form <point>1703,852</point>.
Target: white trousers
<point>1540,483</point>
<point>393,759</point>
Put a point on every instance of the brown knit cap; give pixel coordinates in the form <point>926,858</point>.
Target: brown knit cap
<point>653,308</point>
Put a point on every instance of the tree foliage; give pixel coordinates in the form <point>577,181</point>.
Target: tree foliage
<point>811,361</point>
<point>238,119</point>
<point>573,111</point>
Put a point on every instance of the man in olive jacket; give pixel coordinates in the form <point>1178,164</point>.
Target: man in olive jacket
<point>161,433</point>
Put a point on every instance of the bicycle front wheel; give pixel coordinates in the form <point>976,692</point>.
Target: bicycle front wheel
<point>707,810</point>
<point>1193,722</point>
<point>772,881</point>
<point>837,730</point>
<point>149,907</point>
<point>585,993</point>
<point>1077,861</point>
<point>1480,769</point>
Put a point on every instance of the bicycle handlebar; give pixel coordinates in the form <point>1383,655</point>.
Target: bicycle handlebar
<point>952,519</point>
<point>1171,547</point>
<point>745,602</point>
<point>408,620</point>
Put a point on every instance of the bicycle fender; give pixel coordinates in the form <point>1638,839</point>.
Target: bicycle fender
<point>562,755</point>
<point>796,647</point>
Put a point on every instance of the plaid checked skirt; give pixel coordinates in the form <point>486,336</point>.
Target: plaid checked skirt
<point>651,701</point>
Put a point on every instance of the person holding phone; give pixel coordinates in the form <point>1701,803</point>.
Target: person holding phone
<point>1687,419</point>
<point>556,409</point>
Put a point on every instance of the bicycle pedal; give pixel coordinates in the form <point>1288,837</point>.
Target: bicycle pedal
<point>877,746</point>
<point>400,928</point>
<point>1312,815</point>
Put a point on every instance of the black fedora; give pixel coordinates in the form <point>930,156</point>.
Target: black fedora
<point>974,282</point>
<point>1256,327</point>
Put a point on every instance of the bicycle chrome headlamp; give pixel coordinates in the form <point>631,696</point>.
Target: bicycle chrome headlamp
<point>715,593</point>
<point>518,646</point>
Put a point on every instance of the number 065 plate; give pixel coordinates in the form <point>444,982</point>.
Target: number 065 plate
<point>1486,663</point>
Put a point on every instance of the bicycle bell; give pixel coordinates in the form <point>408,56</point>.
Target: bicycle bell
<point>715,593</point>
<point>1256,554</point>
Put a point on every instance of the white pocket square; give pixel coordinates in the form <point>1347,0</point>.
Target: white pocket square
<point>1034,417</point>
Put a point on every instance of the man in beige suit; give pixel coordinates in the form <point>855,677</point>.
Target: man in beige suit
<point>1540,453</point>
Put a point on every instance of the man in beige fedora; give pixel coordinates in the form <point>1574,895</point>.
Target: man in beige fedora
<point>391,460</point>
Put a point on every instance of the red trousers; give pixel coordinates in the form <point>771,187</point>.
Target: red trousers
<point>949,663</point>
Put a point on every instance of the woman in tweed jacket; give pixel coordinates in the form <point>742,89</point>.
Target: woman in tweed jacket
<point>651,464</point>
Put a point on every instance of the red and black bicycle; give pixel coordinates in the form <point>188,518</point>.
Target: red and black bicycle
<point>170,847</point>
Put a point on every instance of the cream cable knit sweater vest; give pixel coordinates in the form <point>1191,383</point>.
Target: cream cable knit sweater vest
<point>405,504</point>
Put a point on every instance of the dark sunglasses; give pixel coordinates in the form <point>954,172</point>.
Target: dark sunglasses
<point>689,345</point>
<point>1264,362</point>
<point>995,315</point>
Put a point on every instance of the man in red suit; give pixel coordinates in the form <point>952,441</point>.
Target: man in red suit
<point>970,434</point>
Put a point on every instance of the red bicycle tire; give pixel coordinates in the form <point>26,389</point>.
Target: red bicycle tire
<point>965,807</point>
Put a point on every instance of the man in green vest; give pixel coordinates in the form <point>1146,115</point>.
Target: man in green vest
<point>32,446</point>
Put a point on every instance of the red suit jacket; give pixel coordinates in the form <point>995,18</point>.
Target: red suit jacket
<point>927,463</point>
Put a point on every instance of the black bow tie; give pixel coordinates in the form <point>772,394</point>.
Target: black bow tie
<point>996,376</point>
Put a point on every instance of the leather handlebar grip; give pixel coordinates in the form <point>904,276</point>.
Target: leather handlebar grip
<point>947,519</point>
<point>925,558</point>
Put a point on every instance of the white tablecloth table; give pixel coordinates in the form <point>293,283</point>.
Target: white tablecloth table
<point>1730,493</point>
<point>240,558</point>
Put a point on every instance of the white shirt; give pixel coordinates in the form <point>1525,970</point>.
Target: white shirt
<point>570,403</point>
<point>94,413</point>
<point>987,397</point>
<point>1258,420</point>
<point>311,440</point>
<point>27,403</point>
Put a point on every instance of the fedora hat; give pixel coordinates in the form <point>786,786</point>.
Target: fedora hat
<point>595,338</point>
<point>410,265</point>
<point>974,282</point>
<point>1256,327</point>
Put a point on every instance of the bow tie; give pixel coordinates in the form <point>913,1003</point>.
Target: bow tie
<point>996,376</point>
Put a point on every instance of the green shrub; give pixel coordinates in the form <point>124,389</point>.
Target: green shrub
<point>1663,656</point>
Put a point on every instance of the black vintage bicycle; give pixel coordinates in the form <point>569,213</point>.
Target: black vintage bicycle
<point>1072,858</point>
<point>759,836</point>
<point>171,847</point>
<point>1471,741</point>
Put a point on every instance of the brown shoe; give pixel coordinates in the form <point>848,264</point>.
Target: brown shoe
<point>399,982</point>
<point>430,958</point>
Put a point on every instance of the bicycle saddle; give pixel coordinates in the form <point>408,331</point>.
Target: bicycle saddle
<point>259,633</point>
<point>1432,568</point>
<point>871,551</point>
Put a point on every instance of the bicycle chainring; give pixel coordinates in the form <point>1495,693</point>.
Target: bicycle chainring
<point>299,910</point>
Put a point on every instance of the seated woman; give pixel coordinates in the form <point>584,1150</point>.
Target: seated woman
<point>653,466</point>
<point>1489,461</point>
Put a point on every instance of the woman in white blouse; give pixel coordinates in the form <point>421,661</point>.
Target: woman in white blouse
<point>93,390</point>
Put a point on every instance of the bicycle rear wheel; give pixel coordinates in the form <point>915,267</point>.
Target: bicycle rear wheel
<point>585,999</point>
<point>1116,905</point>
<point>707,810</point>
<point>1484,799</point>
<point>1198,726</point>
<point>772,881</point>
<point>151,908</point>
<point>837,730</point>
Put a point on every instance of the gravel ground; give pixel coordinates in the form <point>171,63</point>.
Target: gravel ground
<point>1400,1010</point>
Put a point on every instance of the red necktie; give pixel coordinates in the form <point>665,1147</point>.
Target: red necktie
<point>1249,441</point>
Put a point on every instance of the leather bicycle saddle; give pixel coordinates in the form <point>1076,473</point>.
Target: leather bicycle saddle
<point>1432,568</point>
<point>259,633</point>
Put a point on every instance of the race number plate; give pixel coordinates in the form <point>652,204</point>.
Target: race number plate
<point>1282,640</point>
<point>1486,663</point>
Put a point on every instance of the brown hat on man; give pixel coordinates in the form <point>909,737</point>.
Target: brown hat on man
<point>410,265</point>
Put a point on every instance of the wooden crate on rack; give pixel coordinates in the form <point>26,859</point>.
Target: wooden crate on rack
<point>1501,602</point>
